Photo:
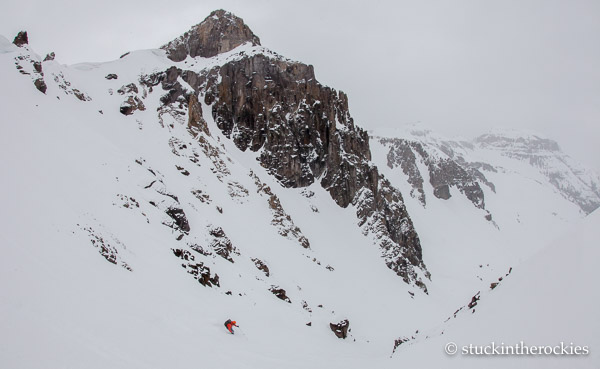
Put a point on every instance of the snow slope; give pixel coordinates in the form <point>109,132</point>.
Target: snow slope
<point>81,180</point>
<point>89,277</point>
<point>464,251</point>
<point>548,300</point>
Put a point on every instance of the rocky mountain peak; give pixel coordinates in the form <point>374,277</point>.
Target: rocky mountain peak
<point>220,32</point>
<point>303,131</point>
<point>21,39</point>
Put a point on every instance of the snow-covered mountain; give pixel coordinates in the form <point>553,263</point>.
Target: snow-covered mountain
<point>495,199</point>
<point>148,199</point>
<point>462,164</point>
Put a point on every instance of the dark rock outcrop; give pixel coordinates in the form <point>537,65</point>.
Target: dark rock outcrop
<point>21,39</point>
<point>37,66</point>
<point>402,155</point>
<point>130,88</point>
<point>260,265</point>
<point>340,329</point>
<point>220,32</point>
<point>176,94</point>
<point>399,342</point>
<point>179,219</point>
<point>50,56</point>
<point>451,171</point>
<point>29,64</point>
<point>199,271</point>
<point>442,191</point>
<point>40,84</point>
<point>221,244</point>
<point>304,131</point>
<point>386,217</point>
<point>133,102</point>
<point>447,172</point>
<point>196,122</point>
<point>474,300</point>
<point>280,293</point>
<point>130,105</point>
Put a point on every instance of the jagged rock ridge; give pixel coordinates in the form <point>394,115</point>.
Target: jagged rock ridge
<point>445,168</point>
<point>303,130</point>
<point>220,32</point>
<point>449,164</point>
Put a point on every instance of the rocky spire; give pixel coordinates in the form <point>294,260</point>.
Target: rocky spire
<point>21,39</point>
<point>220,32</point>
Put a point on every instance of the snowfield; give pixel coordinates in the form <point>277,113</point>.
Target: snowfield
<point>90,275</point>
<point>548,300</point>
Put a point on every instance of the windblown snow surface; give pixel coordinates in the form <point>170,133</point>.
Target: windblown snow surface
<point>81,179</point>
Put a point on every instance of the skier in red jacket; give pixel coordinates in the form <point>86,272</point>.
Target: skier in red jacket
<point>229,324</point>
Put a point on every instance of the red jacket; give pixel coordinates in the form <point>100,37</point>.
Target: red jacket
<point>229,324</point>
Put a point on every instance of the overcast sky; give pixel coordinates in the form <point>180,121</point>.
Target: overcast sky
<point>457,66</point>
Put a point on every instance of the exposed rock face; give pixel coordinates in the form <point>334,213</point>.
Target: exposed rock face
<point>303,130</point>
<point>474,300</point>
<point>179,219</point>
<point>260,265</point>
<point>40,84</point>
<point>196,122</point>
<point>130,88</point>
<point>385,216</point>
<point>37,66</point>
<point>130,105</point>
<point>281,220</point>
<point>21,39</point>
<point>221,244</point>
<point>199,271</point>
<point>280,293</point>
<point>220,32</point>
<point>340,329</point>
<point>133,102</point>
<point>29,64</point>
<point>445,172</point>
<point>399,342</point>
<point>401,154</point>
